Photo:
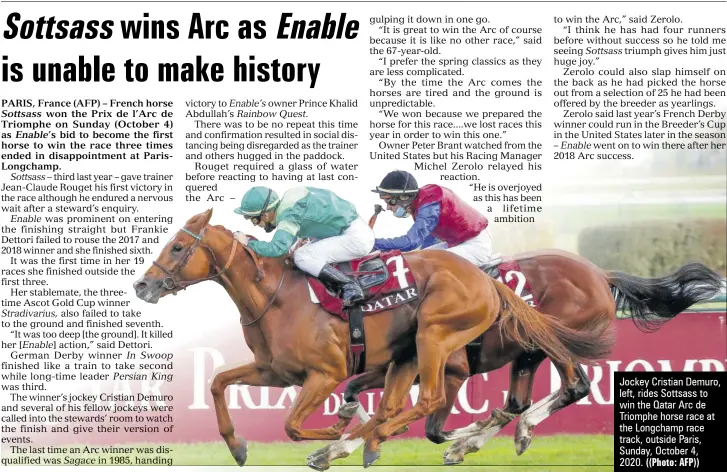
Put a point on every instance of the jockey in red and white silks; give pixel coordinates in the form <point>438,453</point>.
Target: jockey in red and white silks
<point>441,219</point>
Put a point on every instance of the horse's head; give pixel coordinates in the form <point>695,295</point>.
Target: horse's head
<point>182,262</point>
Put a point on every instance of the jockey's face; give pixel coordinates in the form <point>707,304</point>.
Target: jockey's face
<point>267,221</point>
<point>388,199</point>
<point>264,220</point>
<point>393,203</point>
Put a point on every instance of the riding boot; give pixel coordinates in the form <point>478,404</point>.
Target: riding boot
<point>352,291</point>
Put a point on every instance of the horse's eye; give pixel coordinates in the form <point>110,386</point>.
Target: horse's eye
<point>177,248</point>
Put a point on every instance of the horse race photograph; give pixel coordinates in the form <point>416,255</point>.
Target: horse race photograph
<point>302,331</point>
<point>435,350</point>
<point>438,354</point>
<point>363,235</point>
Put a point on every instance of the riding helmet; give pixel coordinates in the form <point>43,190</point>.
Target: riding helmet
<point>257,201</point>
<point>397,182</point>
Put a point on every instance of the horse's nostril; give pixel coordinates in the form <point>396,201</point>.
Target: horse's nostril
<point>139,286</point>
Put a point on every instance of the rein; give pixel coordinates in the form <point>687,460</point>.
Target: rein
<point>170,282</point>
<point>270,302</point>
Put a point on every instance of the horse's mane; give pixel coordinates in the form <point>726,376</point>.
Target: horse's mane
<point>223,229</point>
<point>229,233</point>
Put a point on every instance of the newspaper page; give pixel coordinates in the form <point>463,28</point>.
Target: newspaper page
<point>320,234</point>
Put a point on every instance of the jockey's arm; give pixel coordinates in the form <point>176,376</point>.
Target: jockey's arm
<point>426,221</point>
<point>430,241</point>
<point>283,239</point>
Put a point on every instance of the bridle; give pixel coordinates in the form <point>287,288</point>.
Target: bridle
<point>171,282</point>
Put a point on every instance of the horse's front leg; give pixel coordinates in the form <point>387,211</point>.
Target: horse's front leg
<point>399,379</point>
<point>316,388</point>
<point>456,371</point>
<point>434,424</point>
<point>352,408</point>
<point>248,374</point>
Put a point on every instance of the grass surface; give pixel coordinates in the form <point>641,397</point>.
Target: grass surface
<point>547,453</point>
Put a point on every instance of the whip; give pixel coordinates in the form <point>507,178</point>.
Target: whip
<point>377,209</point>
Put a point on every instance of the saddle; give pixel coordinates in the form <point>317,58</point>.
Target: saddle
<point>387,282</point>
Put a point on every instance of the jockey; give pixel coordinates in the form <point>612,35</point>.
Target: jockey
<point>307,212</point>
<point>439,215</point>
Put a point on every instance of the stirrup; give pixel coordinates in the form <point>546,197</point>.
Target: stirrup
<point>493,262</point>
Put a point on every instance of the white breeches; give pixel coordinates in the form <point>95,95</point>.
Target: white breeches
<point>356,241</point>
<point>477,250</point>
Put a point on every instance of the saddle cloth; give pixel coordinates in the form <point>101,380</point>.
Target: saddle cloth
<point>385,278</point>
<point>508,271</point>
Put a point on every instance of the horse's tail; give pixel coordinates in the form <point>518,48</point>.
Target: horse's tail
<point>534,330</point>
<point>653,302</point>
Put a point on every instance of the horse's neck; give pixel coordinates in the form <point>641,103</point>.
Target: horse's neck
<point>249,295</point>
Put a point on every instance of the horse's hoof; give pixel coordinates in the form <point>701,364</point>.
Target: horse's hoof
<point>240,453</point>
<point>521,444</point>
<point>348,410</point>
<point>436,438</point>
<point>455,448</point>
<point>319,463</point>
<point>454,455</point>
<point>318,452</point>
<point>370,457</point>
<point>401,431</point>
<point>452,461</point>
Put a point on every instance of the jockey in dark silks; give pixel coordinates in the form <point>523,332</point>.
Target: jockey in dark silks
<point>441,219</point>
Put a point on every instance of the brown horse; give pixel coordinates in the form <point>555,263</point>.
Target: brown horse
<point>296,342</point>
<point>581,296</point>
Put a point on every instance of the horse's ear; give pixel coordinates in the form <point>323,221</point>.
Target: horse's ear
<point>197,222</point>
<point>203,219</point>
<point>206,216</point>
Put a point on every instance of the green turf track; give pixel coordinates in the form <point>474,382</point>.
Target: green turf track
<point>546,454</point>
<point>570,451</point>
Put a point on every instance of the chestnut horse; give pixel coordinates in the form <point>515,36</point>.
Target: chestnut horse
<point>579,294</point>
<point>296,342</point>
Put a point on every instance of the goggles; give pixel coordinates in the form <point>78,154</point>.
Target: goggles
<point>404,200</point>
<point>256,219</point>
